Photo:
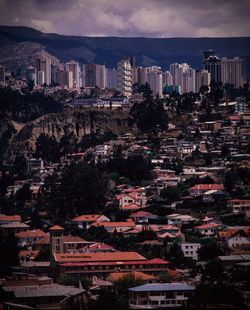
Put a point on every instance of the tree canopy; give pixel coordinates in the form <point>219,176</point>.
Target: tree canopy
<point>149,114</point>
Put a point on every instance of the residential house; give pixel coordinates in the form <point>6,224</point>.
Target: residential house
<point>190,249</point>
<point>115,226</point>
<point>238,205</point>
<point>86,220</point>
<point>234,236</point>
<point>200,189</point>
<point>141,217</point>
<point>28,238</point>
<point>208,230</point>
<point>132,199</point>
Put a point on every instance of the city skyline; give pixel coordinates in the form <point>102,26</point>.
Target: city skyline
<point>116,18</point>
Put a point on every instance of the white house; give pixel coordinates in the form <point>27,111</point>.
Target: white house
<point>190,249</point>
<point>160,295</point>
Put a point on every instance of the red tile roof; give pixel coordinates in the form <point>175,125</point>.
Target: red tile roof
<point>37,233</point>
<point>114,224</point>
<point>207,187</point>
<point>98,257</point>
<point>56,227</point>
<point>10,218</point>
<point>114,276</point>
<point>87,218</point>
<point>155,261</point>
<point>207,226</point>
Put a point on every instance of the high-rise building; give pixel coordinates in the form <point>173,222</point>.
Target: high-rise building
<point>203,78</point>
<point>31,75</point>
<point>142,73</point>
<point>95,75</point>
<point>212,64</point>
<point>188,81</point>
<point>111,78</point>
<point>69,79</point>
<point>232,71</point>
<point>124,78</point>
<point>74,67</point>
<point>167,78</point>
<point>40,78</point>
<point>44,64</point>
<point>2,73</point>
<point>155,81</point>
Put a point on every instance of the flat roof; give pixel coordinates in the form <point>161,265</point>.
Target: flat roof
<point>157,287</point>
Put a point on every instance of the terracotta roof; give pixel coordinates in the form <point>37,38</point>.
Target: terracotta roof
<point>27,253</point>
<point>115,224</point>
<point>207,226</point>
<point>131,207</point>
<point>87,218</point>
<point>10,218</point>
<point>207,187</point>
<point>56,227</point>
<point>98,257</point>
<point>114,276</point>
<point>155,261</point>
<point>141,214</point>
<point>234,231</point>
<point>101,246</point>
<point>31,234</point>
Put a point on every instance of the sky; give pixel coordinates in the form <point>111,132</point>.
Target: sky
<point>131,18</point>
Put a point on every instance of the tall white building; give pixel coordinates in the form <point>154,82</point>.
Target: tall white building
<point>40,78</point>
<point>74,67</point>
<point>44,64</point>
<point>232,71</point>
<point>167,78</point>
<point>155,82</point>
<point>124,78</point>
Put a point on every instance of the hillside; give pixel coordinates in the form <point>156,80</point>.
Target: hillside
<point>109,50</point>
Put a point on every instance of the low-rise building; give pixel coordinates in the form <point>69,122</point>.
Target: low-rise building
<point>160,295</point>
<point>238,205</point>
<point>86,220</point>
<point>190,249</point>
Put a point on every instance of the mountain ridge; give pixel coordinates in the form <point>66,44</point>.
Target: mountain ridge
<point>109,50</point>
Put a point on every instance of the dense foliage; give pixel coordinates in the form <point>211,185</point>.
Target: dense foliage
<point>25,107</point>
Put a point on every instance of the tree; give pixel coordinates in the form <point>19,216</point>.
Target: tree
<point>8,244</point>
<point>170,193</point>
<point>210,250</point>
<point>47,148</point>
<point>127,281</point>
<point>175,254</point>
<point>149,115</point>
<point>82,190</point>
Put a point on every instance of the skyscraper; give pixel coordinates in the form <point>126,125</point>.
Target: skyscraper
<point>212,64</point>
<point>44,64</point>
<point>124,79</point>
<point>203,78</point>
<point>155,80</point>
<point>232,71</point>
<point>111,78</point>
<point>31,75</point>
<point>95,75</point>
<point>74,67</point>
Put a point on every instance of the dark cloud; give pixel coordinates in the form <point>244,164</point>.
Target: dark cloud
<point>153,18</point>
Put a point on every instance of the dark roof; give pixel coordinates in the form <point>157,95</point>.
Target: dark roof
<point>157,287</point>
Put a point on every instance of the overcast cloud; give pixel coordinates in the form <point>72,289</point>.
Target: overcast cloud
<point>150,18</point>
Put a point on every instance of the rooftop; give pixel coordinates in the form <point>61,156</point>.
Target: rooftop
<point>162,287</point>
